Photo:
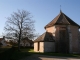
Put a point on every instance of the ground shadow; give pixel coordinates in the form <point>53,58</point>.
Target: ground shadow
<point>13,54</point>
<point>46,57</point>
<point>6,55</point>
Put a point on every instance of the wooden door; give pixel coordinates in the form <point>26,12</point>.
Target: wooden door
<point>63,42</point>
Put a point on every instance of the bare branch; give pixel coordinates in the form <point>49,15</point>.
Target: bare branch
<point>21,24</point>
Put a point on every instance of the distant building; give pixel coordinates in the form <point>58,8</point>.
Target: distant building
<point>26,42</point>
<point>62,36</point>
<point>2,41</point>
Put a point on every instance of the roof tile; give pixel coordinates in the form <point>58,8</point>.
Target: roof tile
<point>59,20</point>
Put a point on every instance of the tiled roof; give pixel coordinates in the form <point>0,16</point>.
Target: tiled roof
<point>45,37</point>
<point>59,20</point>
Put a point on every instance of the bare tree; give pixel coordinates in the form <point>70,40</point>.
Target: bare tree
<point>21,24</point>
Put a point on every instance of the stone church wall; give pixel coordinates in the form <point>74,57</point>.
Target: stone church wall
<point>51,29</point>
<point>75,39</point>
<point>44,47</point>
<point>39,48</point>
<point>35,47</point>
<point>49,46</point>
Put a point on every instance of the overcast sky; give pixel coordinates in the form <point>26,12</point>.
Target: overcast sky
<point>43,11</point>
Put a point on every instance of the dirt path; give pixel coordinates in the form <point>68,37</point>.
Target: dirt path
<point>44,57</point>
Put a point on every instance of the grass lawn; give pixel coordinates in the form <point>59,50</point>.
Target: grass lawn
<point>52,53</point>
<point>61,54</point>
<point>8,53</point>
<point>2,49</point>
<point>14,54</point>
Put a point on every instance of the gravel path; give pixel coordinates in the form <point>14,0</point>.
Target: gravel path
<point>44,57</point>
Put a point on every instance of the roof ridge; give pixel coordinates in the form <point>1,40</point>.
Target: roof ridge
<point>65,18</point>
<point>71,20</point>
<point>53,20</point>
<point>58,16</point>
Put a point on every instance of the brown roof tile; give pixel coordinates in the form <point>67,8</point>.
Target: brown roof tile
<point>61,17</point>
<point>45,37</point>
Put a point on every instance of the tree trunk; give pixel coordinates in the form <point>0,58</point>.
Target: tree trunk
<point>19,45</point>
<point>24,44</point>
<point>19,41</point>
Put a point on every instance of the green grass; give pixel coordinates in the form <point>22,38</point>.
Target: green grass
<point>27,50</point>
<point>14,54</point>
<point>62,55</point>
<point>19,55</point>
<point>52,53</point>
<point>58,54</point>
<point>2,49</point>
<point>7,53</point>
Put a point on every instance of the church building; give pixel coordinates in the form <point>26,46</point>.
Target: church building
<point>61,36</point>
